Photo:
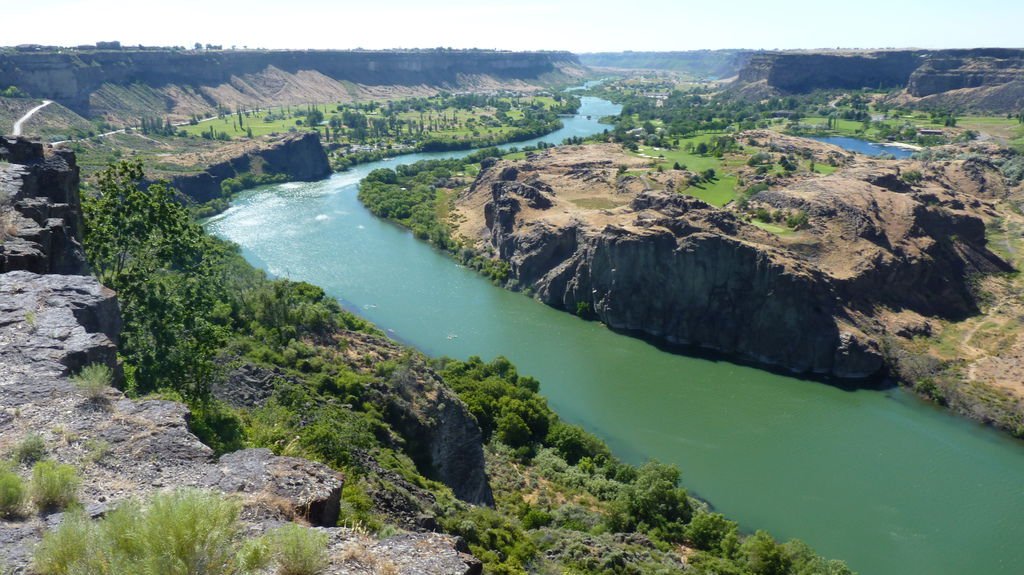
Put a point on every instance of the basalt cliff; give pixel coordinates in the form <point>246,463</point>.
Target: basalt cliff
<point>179,82</point>
<point>635,253</point>
<point>983,79</point>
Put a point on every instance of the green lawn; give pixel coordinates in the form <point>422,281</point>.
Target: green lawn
<point>822,168</point>
<point>777,230</point>
<point>718,192</point>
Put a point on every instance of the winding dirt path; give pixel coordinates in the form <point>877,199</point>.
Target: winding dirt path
<point>29,114</point>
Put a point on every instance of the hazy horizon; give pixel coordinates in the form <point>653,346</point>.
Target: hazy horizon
<point>577,26</point>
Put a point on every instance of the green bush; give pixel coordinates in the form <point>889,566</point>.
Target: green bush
<point>12,494</point>
<point>30,450</point>
<point>186,532</point>
<point>707,531</point>
<point>93,381</point>
<point>54,485</point>
<point>299,550</point>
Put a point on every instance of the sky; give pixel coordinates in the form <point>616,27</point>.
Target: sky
<point>574,25</point>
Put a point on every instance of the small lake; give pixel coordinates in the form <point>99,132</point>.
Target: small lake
<point>864,147</point>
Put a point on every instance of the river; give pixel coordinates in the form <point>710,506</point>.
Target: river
<point>879,479</point>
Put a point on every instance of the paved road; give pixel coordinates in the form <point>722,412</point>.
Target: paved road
<point>23,119</point>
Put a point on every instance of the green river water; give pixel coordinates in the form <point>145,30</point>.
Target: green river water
<point>879,479</point>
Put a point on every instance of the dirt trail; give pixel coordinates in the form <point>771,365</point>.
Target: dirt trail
<point>29,114</point>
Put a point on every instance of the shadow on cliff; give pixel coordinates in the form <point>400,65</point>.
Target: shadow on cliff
<point>881,381</point>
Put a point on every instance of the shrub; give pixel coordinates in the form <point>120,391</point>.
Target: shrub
<point>54,485</point>
<point>299,550</point>
<point>186,532</point>
<point>69,549</point>
<point>93,381</point>
<point>706,531</point>
<point>30,450</point>
<point>12,494</point>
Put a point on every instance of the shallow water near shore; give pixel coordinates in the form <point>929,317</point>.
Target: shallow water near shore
<point>879,479</point>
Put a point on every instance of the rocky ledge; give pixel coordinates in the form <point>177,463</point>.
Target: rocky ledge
<point>40,218</point>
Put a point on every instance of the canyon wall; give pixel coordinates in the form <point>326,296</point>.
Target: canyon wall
<point>988,79</point>
<point>71,77</point>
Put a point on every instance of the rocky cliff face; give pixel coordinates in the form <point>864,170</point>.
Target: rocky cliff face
<point>681,271</point>
<point>807,71</point>
<point>671,267</point>
<point>982,79</point>
<point>40,218</point>
<point>300,157</point>
<point>72,77</point>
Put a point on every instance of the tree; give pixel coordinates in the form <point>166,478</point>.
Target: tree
<point>764,556</point>
<point>143,244</point>
<point>707,531</point>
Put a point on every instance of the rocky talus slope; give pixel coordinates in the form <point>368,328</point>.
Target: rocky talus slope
<point>52,324</point>
<point>679,270</point>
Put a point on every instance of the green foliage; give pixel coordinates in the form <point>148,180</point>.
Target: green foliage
<point>574,443</point>
<point>185,532</point>
<point>12,494</point>
<point>911,176</point>
<point>93,381</point>
<point>493,538</point>
<point>143,244</point>
<point>296,422</point>
<point>299,550</point>
<point>707,531</point>
<point>30,449</point>
<point>54,485</point>
<point>217,425</point>
<point>797,220</point>
<point>653,502</point>
<point>764,556</point>
<point>501,400</point>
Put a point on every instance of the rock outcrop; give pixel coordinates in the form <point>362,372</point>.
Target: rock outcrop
<point>40,217</point>
<point>681,271</point>
<point>299,157</point>
<point>299,487</point>
<point>440,434</point>
<point>983,79</point>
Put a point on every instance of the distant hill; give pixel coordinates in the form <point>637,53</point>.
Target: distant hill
<point>714,64</point>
